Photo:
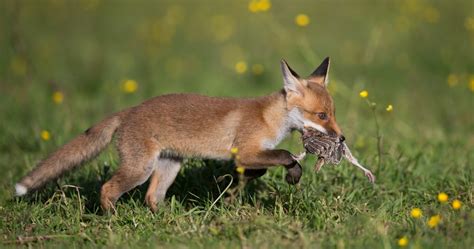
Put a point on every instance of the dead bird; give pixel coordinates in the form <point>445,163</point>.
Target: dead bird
<point>330,149</point>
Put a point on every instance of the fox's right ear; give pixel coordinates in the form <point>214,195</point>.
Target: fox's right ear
<point>291,80</point>
<point>321,74</point>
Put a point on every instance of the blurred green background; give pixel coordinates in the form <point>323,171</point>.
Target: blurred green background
<point>64,65</point>
<point>402,52</point>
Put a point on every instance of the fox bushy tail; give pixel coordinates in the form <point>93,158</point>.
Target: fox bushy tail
<point>82,148</point>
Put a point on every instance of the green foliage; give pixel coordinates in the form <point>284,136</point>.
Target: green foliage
<point>413,55</point>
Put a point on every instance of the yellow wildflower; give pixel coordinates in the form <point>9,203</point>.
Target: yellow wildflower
<point>471,83</point>
<point>253,6</point>
<point>58,97</point>
<point>416,213</point>
<point>302,20</point>
<point>259,5</point>
<point>453,80</point>
<point>234,150</point>
<point>403,241</point>
<point>257,69</point>
<point>129,86</point>
<point>364,94</point>
<point>241,67</point>
<point>442,197</point>
<point>389,108</point>
<point>434,221</point>
<point>264,5</point>
<point>456,204</point>
<point>240,169</point>
<point>45,135</point>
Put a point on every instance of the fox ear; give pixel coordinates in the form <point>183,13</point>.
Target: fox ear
<point>321,74</point>
<point>291,80</point>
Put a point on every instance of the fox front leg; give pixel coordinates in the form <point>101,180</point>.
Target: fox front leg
<point>269,158</point>
<point>294,173</point>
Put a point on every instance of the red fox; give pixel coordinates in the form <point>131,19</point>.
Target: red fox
<point>153,137</point>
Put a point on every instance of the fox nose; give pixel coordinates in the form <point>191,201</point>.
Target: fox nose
<point>342,138</point>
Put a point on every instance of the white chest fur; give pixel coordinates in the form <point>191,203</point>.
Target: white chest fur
<point>283,130</point>
<point>271,143</point>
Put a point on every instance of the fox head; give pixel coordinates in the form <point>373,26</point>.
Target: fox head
<point>308,100</point>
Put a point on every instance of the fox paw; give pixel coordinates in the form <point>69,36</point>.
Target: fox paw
<point>294,173</point>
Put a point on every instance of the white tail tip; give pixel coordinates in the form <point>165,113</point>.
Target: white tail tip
<point>20,190</point>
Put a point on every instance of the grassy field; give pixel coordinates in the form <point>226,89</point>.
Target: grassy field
<point>64,65</point>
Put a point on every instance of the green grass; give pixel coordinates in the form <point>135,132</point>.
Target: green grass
<point>402,52</point>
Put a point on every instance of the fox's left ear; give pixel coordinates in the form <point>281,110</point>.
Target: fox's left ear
<point>291,79</point>
<point>321,74</point>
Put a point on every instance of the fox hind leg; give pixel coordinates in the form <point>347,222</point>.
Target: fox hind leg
<point>166,170</point>
<point>136,167</point>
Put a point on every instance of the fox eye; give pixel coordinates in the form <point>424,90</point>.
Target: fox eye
<point>322,115</point>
